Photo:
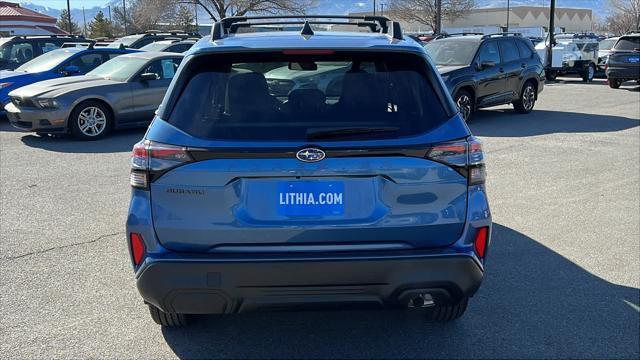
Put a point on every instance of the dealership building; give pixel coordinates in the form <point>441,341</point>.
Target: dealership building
<point>16,20</point>
<point>568,19</point>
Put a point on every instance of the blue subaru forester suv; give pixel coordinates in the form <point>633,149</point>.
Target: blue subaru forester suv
<point>256,193</point>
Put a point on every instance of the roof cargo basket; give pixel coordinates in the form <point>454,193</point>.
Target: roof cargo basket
<point>380,24</point>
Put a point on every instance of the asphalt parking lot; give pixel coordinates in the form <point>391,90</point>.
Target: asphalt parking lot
<point>563,276</point>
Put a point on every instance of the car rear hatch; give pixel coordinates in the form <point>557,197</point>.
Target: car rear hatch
<point>626,53</point>
<point>340,167</point>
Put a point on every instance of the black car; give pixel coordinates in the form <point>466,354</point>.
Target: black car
<point>137,41</point>
<point>487,70</point>
<point>17,50</point>
<point>623,63</point>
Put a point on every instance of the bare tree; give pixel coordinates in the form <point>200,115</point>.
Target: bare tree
<point>142,15</point>
<point>219,9</point>
<point>626,16</point>
<point>425,11</point>
<point>147,14</point>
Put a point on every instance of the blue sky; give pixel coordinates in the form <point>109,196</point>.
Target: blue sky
<point>59,4</point>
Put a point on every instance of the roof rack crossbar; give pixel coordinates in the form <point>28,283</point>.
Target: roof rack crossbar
<point>226,26</point>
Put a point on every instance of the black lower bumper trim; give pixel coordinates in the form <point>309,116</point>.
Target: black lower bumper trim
<point>204,287</point>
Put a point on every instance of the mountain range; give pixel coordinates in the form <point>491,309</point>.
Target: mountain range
<point>325,7</point>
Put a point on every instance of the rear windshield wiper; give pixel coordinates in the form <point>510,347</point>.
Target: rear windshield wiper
<point>326,133</point>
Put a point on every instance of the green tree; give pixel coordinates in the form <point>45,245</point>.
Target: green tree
<point>100,26</point>
<point>184,19</point>
<point>63,23</point>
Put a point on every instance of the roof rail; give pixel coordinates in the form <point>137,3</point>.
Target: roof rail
<point>230,25</point>
<point>501,34</point>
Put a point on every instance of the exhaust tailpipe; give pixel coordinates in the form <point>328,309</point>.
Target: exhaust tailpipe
<point>421,301</point>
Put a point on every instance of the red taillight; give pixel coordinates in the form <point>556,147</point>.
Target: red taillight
<point>480,242</point>
<point>137,248</point>
<point>150,156</point>
<point>465,156</point>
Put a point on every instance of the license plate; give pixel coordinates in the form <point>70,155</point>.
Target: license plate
<point>633,59</point>
<point>310,198</point>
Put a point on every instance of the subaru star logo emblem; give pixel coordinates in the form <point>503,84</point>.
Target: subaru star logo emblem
<point>310,155</point>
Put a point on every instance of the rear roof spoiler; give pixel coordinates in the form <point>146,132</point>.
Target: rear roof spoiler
<point>381,24</point>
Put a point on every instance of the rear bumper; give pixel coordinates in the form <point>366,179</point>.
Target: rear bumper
<point>624,73</point>
<point>239,285</point>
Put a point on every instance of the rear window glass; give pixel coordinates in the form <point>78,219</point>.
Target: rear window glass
<point>509,51</point>
<point>296,97</point>
<point>628,43</point>
<point>525,50</point>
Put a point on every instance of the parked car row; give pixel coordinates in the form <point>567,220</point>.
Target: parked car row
<point>487,70</point>
<point>73,86</point>
<point>123,92</point>
<point>17,50</point>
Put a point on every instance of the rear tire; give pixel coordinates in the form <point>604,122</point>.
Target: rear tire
<point>551,75</point>
<point>448,312</point>
<point>464,102</point>
<point>614,83</point>
<point>527,99</point>
<point>589,73</point>
<point>167,319</point>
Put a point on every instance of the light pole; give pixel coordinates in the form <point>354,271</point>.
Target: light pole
<point>84,20</point>
<point>382,9</point>
<point>69,18</point>
<point>508,11</point>
<point>552,26</point>
<point>374,7</point>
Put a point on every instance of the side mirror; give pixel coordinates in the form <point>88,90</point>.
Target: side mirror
<point>485,65</point>
<point>70,70</point>
<point>148,77</point>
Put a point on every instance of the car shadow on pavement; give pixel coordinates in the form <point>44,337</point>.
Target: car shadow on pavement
<point>506,123</point>
<point>117,141</point>
<point>534,303</point>
<point>576,81</point>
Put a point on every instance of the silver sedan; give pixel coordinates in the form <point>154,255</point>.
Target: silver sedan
<point>123,92</point>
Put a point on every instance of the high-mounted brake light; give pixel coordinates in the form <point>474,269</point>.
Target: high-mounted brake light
<point>466,156</point>
<point>137,248</point>
<point>308,52</point>
<point>150,157</point>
